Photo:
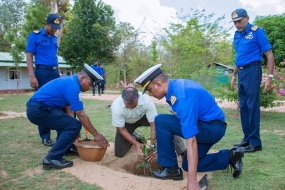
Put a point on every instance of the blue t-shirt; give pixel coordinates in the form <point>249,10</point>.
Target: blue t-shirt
<point>43,47</point>
<point>96,68</point>
<point>191,102</point>
<point>59,93</point>
<point>250,46</point>
<point>102,72</point>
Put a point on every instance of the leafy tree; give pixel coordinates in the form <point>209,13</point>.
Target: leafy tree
<point>194,44</point>
<point>132,56</point>
<point>87,34</point>
<point>11,18</point>
<point>274,26</point>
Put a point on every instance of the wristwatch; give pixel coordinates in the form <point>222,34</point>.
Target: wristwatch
<point>270,75</point>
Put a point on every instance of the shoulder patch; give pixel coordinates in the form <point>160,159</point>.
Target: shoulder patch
<point>254,28</point>
<point>173,99</point>
<point>36,31</point>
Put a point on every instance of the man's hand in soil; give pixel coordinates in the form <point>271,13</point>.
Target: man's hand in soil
<point>138,147</point>
<point>151,156</point>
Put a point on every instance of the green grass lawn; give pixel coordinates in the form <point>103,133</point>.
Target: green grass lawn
<point>21,151</point>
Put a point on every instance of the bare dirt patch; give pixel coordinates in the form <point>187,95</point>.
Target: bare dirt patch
<point>275,131</point>
<point>3,174</point>
<point>35,171</point>
<point>120,173</point>
<point>11,114</point>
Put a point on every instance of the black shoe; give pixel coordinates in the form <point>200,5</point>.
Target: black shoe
<point>57,164</point>
<point>236,160</point>
<point>166,173</point>
<point>47,142</point>
<point>252,148</point>
<point>72,151</point>
<point>241,144</point>
<point>93,94</point>
<point>204,182</point>
<point>138,138</point>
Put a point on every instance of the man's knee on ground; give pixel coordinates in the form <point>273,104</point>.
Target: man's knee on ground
<point>120,154</point>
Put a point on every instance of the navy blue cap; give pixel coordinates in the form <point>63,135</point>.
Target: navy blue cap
<point>238,14</point>
<point>54,21</point>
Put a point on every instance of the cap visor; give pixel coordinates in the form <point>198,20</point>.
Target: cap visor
<point>56,26</point>
<point>236,19</point>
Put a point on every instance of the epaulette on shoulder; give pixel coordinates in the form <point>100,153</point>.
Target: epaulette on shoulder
<point>254,28</point>
<point>36,31</point>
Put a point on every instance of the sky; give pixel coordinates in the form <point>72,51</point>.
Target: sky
<point>157,14</point>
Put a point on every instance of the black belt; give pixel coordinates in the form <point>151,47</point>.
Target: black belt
<point>249,65</point>
<point>224,124</point>
<point>46,67</point>
<point>30,103</point>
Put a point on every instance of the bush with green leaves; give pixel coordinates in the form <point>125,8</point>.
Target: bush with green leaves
<point>267,100</point>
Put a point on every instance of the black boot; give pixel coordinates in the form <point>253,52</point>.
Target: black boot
<point>167,173</point>
<point>72,151</point>
<point>235,160</point>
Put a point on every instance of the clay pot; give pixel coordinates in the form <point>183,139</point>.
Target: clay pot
<point>89,150</point>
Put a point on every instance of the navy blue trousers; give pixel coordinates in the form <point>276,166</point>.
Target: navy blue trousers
<point>167,126</point>
<point>55,119</point>
<point>93,87</point>
<point>101,86</point>
<point>249,81</point>
<point>43,76</point>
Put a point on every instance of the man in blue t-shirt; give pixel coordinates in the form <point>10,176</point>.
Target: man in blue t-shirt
<point>43,46</point>
<point>47,108</point>
<point>96,68</point>
<point>197,118</point>
<point>250,42</point>
<point>101,84</point>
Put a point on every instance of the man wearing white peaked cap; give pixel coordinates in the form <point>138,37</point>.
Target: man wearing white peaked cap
<point>197,118</point>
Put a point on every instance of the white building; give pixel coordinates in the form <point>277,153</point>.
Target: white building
<point>9,77</point>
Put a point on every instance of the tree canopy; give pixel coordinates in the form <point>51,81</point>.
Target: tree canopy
<point>274,26</point>
<point>87,35</point>
<point>11,18</point>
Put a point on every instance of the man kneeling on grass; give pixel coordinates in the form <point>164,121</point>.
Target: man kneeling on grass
<point>130,111</point>
<point>47,109</point>
<point>198,119</point>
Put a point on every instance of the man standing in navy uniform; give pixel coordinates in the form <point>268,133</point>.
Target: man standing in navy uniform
<point>250,42</point>
<point>101,84</point>
<point>197,118</point>
<point>96,68</point>
<point>47,109</point>
<point>43,45</point>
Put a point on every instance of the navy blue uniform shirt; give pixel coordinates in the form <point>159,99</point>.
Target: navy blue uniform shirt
<point>191,102</point>
<point>102,72</point>
<point>96,68</point>
<point>59,93</point>
<point>250,46</point>
<point>43,47</point>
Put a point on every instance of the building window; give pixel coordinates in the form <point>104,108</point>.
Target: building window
<point>13,73</point>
